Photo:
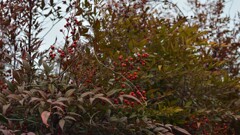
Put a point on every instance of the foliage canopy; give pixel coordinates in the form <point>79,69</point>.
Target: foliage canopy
<point>124,68</point>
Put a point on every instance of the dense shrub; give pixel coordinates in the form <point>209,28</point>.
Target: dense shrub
<point>123,69</point>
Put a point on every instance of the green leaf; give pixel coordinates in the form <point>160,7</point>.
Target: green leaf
<point>12,87</point>
<point>21,101</point>
<point>58,103</point>
<point>3,100</point>
<point>51,2</point>
<point>188,104</point>
<point>82,108</point>
<point>75,114</point>
<point>70,118</point>
<point>59,109</point>
<point>130,96</point>
<point>51,88</point>
<point>69,93</point>
<point>123,119</point>
<point>14,96</point>
<point>79,11</point>
<point>181,130</point>
<point>98,95</point>
<point>97,25</point>
<point>84,30</point>
<point>26,65</point>
<point>47,68</point>
<point>60,99</point>
<point>95,96</point>
<point>107,100</point>
<point>112,92</point>
<point>43,94</point>
<point>4,108</point>
<point>3,119</point>
<point>160,67</point>
<point>35,99</point>
<point>42,4</point>
<point>86,94</point>
<point>16,76</point>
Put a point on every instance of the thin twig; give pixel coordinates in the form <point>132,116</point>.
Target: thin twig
<point>53,26</point>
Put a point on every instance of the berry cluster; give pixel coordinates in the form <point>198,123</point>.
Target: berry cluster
<point>63,53</point>
<point>205,126</point>
<point>3,86</point>
<point>71,31</point>
<point>71,26</point>
<point>130,69</point>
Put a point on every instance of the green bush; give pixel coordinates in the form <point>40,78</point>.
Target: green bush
<point>127,72</point>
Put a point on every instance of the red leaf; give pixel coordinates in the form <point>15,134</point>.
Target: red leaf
<point>45,115</point>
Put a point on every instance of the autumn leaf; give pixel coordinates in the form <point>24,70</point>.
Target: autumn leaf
<point>45,115</point>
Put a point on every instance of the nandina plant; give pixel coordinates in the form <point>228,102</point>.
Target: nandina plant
<point>120,70</point>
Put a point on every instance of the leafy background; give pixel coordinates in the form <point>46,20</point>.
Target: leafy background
<point>123,68</point>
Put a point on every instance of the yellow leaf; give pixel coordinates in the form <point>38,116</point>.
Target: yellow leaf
<point>160,67</point>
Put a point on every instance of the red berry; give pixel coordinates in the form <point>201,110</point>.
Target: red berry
<point>126,101</point>
<point>121,93</point>
<point>123,85</point>
<point>52,56</point>
<point>52,47</point>
<point>139,93</point>
<point>115,63</point>
<point>131,93</point>
<point>132,104</point>
<point>115,101</point>
<point>145,55</point>
<point>144,98</point>
<point>74,45</point>
<point>124,65</point>
<point>62,54</point>
<point>139,55</point>
<point>120,57</point>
